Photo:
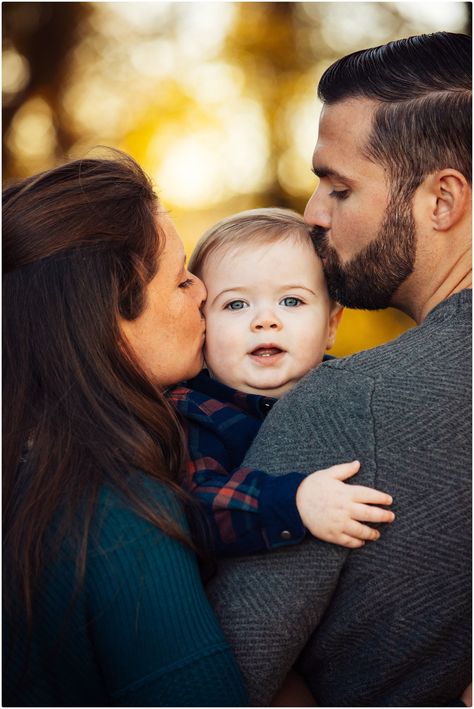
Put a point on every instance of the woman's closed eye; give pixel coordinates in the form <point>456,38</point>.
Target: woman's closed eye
<point>291,301</point>
<point>236,305</point>
<point>186,283</point>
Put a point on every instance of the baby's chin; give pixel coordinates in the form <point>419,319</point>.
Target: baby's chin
<point>274,392</point>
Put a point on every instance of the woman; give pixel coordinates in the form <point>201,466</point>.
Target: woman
<point>104,603</point>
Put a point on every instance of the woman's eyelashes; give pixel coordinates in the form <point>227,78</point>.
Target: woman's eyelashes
<point>186,283</point>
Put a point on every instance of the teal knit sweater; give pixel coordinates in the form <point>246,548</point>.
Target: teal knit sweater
<point>140,633</point>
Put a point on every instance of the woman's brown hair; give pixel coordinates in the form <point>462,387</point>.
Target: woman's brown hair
<point>80,243</point>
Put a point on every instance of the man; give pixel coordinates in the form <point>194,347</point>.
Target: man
<point>387,624</point>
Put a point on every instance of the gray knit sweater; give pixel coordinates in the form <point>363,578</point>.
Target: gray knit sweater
<point>388,624</point>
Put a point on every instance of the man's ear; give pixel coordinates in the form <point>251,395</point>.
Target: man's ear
<point>452,197</point>
<point>335,316</point>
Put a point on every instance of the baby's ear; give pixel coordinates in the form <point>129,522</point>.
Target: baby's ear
<point>335,315</point>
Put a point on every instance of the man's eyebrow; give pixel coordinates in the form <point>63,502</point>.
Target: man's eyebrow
<point>322,171</point>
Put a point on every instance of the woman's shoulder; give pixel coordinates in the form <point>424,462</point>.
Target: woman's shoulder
<point>120,520</point>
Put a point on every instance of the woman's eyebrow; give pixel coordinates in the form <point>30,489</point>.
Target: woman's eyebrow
<point>181,268</point>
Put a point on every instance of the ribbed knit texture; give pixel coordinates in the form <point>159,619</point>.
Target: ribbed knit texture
<point>389,624</point>
<point>141,633</point>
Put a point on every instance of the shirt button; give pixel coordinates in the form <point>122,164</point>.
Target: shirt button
<point>285,535</point>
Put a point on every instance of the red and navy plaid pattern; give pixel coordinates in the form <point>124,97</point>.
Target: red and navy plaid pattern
<point>247,509</point>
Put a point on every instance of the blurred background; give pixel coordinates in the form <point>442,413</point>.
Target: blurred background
<point>217,101</point>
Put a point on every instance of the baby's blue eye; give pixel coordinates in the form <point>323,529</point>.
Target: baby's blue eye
<point>291,302</point>
<point>236,305</point>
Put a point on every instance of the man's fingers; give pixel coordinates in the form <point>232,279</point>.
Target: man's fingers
<point>343,470</point>
<point>368,495</point>
<point>366,513</point>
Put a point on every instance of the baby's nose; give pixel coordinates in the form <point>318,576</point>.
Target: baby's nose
<point>266,321</point>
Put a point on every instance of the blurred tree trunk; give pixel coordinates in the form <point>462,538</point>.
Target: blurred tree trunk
<point>44,33</point>
<point>263,42</point>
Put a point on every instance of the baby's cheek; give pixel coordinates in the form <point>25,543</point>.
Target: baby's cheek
<point>213,348</point>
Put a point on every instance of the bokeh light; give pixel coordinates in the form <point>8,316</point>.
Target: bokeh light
<point>32,134</point>
<point>15,72</point>
<point>217,100</point>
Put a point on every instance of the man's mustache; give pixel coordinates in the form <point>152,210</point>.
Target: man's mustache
<point>319,238</point>
<point>318,232</point>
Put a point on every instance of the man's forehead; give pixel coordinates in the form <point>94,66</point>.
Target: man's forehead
<point>348,108</point>
<point>349,120</point>
<point>344,130</point>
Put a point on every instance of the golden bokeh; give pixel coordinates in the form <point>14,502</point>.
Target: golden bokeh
<point>217,100</point>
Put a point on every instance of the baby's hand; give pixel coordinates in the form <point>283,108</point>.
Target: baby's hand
<point>333,511</point>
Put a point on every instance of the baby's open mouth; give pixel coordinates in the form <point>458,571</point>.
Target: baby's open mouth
<point>266,351</point>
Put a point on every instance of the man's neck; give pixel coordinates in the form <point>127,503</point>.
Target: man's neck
<point>423,291</point>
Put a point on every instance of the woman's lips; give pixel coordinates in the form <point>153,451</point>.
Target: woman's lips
<point>267,355</point>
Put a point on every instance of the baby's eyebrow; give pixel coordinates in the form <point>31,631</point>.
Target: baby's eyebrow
<point>296,285</point>
<point>235,289</point>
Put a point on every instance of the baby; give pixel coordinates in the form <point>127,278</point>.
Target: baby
<point>269,321</point>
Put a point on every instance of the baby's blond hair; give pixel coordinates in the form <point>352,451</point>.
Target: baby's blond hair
<point>265,225</point>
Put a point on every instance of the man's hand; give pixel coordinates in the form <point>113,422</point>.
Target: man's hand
<point>333,511</point>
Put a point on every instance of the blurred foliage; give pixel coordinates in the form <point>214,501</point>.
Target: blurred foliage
<point>216,100</point>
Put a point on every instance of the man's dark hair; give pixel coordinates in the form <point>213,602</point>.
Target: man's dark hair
<point>424,86</point>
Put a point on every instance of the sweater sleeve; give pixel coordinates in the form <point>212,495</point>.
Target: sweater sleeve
<point>154,634</point>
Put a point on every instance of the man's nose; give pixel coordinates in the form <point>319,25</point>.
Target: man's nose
<point>317,210</point>
<point>266,320</point>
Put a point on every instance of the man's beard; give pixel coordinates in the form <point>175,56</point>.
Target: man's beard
<point>369,280</point>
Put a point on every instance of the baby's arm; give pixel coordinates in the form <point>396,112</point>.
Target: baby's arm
<point>334,512</point>
<point>247,510</point>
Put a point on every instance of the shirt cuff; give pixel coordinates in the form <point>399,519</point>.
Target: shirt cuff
<point>281,521</point>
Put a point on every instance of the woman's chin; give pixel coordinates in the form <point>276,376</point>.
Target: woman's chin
<point>198,367</point>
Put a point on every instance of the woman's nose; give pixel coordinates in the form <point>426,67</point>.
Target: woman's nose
<point>200,290</point>
<point>266,320</point>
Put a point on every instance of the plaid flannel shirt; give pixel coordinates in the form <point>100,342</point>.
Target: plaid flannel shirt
<point>248,510</point>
